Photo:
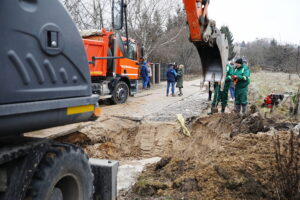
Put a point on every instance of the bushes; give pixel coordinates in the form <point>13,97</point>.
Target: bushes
<point>286,171</point>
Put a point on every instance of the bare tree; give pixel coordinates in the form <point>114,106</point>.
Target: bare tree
<point>89,14</point>
<point>270,55</point>
<point>147,21</point>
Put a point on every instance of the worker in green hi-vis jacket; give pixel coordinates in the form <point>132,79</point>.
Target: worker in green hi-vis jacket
<point>222,96</point>
<point>224,93</point>
<point>241,78</point>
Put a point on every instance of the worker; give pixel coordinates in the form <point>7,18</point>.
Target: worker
<point>209,91</point>
<point>241,78</point>
<point>144,75</point>
<point>232,86</point>
<point>231,89</point>
<point>171,77</point>
<point>224,93</point>
<point>149,74</point>
<point>180,73</point>
<point>216,99</point>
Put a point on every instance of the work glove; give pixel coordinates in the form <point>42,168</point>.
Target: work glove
<point>239,77</point>
<point>235,79</point>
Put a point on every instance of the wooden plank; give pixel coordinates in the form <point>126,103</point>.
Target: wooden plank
<point>59,131</point>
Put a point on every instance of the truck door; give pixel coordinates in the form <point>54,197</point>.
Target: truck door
<point>130,66</point>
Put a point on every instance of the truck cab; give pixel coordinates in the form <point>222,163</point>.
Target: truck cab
<point>114,71</point>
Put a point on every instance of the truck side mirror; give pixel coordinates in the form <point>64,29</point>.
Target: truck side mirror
<point>117,14</point>
<point>120,44</point>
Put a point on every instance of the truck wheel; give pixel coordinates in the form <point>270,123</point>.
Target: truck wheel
<point>120,93</point>
<point>63,174</point>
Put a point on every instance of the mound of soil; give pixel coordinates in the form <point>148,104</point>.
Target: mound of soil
<point>242,169</point>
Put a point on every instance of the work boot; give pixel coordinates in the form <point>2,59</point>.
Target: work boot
<point>209,95</point>
<point>173,95</point>
<point>213,110</point>
<point>244,109</point>
<point>223,109</point>
<point>237,108</point>
<point>180,92</point>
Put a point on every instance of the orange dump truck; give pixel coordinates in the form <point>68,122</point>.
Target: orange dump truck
<point>113,76</point>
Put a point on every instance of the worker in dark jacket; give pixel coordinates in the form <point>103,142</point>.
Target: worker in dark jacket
<point>171,79</point>
<point>144,75</point>
<point>180,73</point>
<point>241,78</point>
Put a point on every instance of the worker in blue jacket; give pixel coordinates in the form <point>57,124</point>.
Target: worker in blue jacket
<point>171,79</point>
<point>144,75</point>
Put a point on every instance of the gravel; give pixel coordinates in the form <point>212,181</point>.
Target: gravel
<point>191,106</point>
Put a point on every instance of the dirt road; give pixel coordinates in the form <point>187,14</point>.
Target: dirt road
<point>154,105</point>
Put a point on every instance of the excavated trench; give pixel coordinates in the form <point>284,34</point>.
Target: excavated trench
<point>226,157</point>
<point>123,139</point>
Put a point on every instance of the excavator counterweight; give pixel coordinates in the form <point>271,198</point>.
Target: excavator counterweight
<point>211,44</point>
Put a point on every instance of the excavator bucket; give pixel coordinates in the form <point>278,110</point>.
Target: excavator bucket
<point>211,44</point>
<point>213,55</point>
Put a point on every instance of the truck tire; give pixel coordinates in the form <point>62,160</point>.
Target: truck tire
<point>63,174</point>
<point>120,93</point>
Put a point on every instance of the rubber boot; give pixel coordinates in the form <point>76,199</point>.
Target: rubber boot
<point>237,108</point>
<point>223,109</point>
<point>213,110</point>
<point>180,92</point>
<point>209,95</point>
<point>244,109</point>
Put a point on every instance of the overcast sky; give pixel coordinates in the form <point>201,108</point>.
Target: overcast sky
<point>251,19</point>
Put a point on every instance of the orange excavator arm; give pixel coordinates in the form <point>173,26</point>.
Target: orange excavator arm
<point>193,14</point>
<point>211,44</point>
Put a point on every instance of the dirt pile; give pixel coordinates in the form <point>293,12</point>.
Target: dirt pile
<point>242,169</point>
<point>232,124</point>
<point>222,160</point>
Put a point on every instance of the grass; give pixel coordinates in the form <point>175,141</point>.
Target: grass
<point>264,83</point>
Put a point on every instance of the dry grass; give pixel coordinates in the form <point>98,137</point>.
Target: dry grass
<point>263,83</point>
<point>287,172</point>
